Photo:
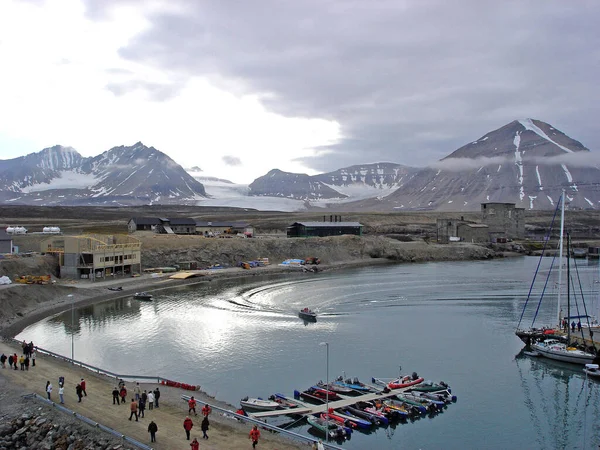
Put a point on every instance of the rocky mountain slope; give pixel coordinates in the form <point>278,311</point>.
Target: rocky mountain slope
<point>120,176</point>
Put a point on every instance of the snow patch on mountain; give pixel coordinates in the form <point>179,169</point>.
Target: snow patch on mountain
<point>67,179</point>
<point>529,125</point>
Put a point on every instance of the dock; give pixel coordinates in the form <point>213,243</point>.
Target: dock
<point>308,409</point>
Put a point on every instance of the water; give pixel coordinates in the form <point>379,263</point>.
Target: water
<point>447,321</point>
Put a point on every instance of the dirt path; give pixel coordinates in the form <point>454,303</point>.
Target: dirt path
<point>224,433</point>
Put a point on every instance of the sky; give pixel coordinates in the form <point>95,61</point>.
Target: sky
<point>239,88</point>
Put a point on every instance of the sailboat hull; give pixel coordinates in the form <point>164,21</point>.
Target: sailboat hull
<point>561,353</point>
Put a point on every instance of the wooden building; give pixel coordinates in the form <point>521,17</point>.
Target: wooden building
<point>142,224</point>
<point>313,229</point>
<point>95,257</point>
<point>216,228</point>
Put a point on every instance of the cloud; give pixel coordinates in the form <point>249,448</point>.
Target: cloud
<point>231,160</point>
<point>408,81</point>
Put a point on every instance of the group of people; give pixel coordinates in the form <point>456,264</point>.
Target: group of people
<point>188,423</point>
<point>80,390</point>
<point>565,324</point>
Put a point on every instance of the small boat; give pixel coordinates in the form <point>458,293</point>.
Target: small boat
<point>333,417</point>
<point>419,399</point>
<point>283,401</point>
<point>430,386</point>
<point>308,315</point>
<point>364,424</point>
<point>532,354</point>
<point>443,395</point>
<point>402,408</point>
<point>119,288</point>
<point>374,418</point>
<point>334,430</point>
<point>353,384</point>
<point>142,296</point>
<point>335,388</point>
<point>259,404</point>
<point>593,372</point>
<point>400,383</point>
<point>560,351</point>
<point>316,393</point>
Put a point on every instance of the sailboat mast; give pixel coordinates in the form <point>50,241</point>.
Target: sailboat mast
<point>568,287</point>
<point>560,253</point>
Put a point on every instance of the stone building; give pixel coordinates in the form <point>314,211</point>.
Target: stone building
<point>504,217</point>
<point>453,230</point>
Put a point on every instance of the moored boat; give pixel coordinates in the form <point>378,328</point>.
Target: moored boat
<point>403,407</point>
<point>335,388</point>
<point>358,422</point>
<point>417,399</point>
<point>259,404</point>
<point>560,351</point>
<point>283,401</point>
<point>316,393</point>
<point>142,296</point>
<point>592,370</point>
<point>353,384</point>
<point>377,419</point>
<point>400,383</point>
<point>334,430</point>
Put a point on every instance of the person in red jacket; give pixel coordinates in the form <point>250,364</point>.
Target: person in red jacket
<point>187,426</point>
<point>206,410</point>
<point>195,444</point>
<point>254,435</point>
<point>192,405</point>
<point>82,384</point>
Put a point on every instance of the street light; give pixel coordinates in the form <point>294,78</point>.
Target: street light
<point>72,326</point>
<point>326,344</point>
<point>587,367</point>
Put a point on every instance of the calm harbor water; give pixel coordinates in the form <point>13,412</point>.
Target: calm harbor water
<point>447,321</point>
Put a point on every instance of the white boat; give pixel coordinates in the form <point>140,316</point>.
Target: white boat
<point>592,370</point>
<point>142,296</point>
<point>555,349</point>
<point>549,346</point>
<point>259,404</point>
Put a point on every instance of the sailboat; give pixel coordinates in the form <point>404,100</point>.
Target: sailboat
<point>548,342</point>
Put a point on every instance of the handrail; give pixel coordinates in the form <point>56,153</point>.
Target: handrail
<point>98,370</point>
<point>262,424</point>
<point>89,421</point>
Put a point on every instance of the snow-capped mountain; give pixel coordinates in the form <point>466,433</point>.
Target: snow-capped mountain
<point>349,183</point>
<point>120,176</point>
<point>526,162</point>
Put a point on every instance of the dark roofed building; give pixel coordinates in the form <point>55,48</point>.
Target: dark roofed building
<point>177,225</point>
<point>142,223</point>
<point>321,229</point>
<point>6,242</point>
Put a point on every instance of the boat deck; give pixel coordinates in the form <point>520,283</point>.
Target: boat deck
<point>306,408</point>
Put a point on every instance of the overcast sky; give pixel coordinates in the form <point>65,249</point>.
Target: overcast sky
<point>241,87</point>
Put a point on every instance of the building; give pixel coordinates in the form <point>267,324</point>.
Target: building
<point>449,230</point>
<point>142,224</point>
<point>95,257</point>
<point>312,229</point>
<point>177,225</point>
<point>6,242</point>
<point>216,228</point>
<point>504,217</point>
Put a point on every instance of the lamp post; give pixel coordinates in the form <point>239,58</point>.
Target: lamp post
<point>587,367</point>
<point>72,326</point>
<point>326,344</point>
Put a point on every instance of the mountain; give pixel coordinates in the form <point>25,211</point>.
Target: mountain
<point>527,162</point>
<point>123,175</point>
<point>350,183</point>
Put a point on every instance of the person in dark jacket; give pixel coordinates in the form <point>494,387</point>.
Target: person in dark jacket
<point>115,394</point>
<point>156,397</point>
<point>204,427</point>
<point>152,429</point>
<point>141,408</point>
<point>79,392</point>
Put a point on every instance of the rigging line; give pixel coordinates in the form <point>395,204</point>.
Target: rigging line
<point>537,310</point>
<point>584,309</point>
<point>538,267</point>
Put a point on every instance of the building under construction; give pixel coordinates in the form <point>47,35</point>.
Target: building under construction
<point>95,257</point>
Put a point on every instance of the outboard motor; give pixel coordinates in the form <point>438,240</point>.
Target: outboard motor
<point>414,376</point>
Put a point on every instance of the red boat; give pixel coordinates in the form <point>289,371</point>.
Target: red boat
<point>403,382</point>
<point>316,393</point>
<point>342,420</point>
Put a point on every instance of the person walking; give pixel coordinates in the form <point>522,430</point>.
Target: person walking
<point>133,407</point>
<point>61,392</point>
<point>141,408</point>
<point>579,325</point>
<point>192,405</point>
<point>152,429</point>
<point>27,362</point>
<point>206,410</point>
<point>22,362</point>
<point>10,361</point>
<point>187,426</point>
<point>33,352</point>
<point>573,326</point>
<point>15,360</point>
<point>254,436</point>
<point>123,394</point>
<point>79,391</point>
<point>156,396</point>
<point>3,360</point>
<point>150,400</point>
<point>49,390</point>
<point>204,427</point>
<point>83,384</point>
<point>195,445</point>
<point>115,394</point>
<point>137,391</point>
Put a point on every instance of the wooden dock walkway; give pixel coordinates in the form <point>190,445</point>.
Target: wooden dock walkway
<point>346,400</point>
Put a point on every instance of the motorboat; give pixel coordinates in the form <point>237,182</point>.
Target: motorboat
<point>119,288</point>
<point>334,430</point>
<point>283,401</point>
<point>400,383</point>
<point>592,370</point>
<point>374,418</point>
<point>353,384</point>
<point>335,388</point>
<point>308,315</point>
<point>318,394</point>
<point>142,296</point>
<point>259,404</point>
